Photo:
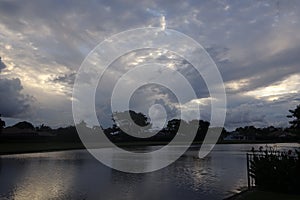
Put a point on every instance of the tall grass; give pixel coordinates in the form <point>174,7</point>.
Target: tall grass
<point>277,171</point>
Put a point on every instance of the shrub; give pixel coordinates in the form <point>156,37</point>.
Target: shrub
<point>276,171</point>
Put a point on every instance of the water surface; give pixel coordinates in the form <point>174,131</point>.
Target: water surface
<point>77,175</point>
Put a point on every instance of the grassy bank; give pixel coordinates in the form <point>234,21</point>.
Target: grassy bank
<point>18,147</point>
<point>32,147</point>
<point>14,147</point>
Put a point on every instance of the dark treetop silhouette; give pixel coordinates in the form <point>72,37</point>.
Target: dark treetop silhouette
<point>295,124</point>
<point>2,123</point>
<point>65,138</point>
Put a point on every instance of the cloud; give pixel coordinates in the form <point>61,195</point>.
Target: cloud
<point>2,65</point>
<point>265,71</point>
<point>255,46</point>
<point>246,114</point>
<point>12,102</point>
<point>67,79</point>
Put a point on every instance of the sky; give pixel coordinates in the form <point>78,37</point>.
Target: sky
<point>255,45</point>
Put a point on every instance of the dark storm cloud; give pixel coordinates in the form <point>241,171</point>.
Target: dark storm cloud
<point>2,65</point>
<point>12,102</point>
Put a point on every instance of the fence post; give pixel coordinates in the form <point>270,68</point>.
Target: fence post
<point>248,172</point>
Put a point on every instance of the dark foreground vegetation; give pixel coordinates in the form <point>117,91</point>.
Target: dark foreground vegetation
<point>263,195</point>
<point>276,171</point>
<point>272,175</point>
<point>24,137</point>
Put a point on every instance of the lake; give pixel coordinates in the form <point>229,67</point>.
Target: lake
<point>78,175</point>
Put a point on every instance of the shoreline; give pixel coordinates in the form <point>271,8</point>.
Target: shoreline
<point>13,148</point>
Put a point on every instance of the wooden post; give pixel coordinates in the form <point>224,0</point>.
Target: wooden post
<point>248,172</point>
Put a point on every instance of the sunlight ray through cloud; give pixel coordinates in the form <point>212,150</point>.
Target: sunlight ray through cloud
<point>290,85</point>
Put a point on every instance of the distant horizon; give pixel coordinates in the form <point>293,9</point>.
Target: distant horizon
<point>13,121</point>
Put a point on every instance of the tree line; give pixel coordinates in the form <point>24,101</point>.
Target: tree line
<point>140,124</point>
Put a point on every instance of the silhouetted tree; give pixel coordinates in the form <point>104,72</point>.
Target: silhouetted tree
<point>224,133</point>
<point>43,127</point>
<point>130,121</point>
<point>24,125</point>
<point>249,132</point>
<point>2,124</point>
<point>202,128</point>
<point>67,134</point>
<point>295,123</point>
<point>173,125</point>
